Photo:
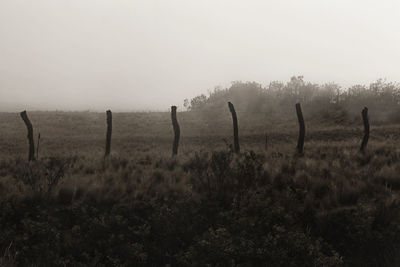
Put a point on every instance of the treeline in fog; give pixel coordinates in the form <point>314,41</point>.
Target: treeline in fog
<point>327,101</point>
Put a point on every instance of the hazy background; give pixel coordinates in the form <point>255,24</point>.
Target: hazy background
<point>142,55</point>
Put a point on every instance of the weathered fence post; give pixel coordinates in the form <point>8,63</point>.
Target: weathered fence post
<point>109,131</point>
<point>364,143</point>
<point>302,129</point>
<point>177,131</point>
<point>235,127</point>
<point>28,124</point>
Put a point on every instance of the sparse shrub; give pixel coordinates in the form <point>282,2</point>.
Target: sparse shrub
<point>348,194</point>
<point>389,176</point>
<point>214,208</point>
<point>320,188</point>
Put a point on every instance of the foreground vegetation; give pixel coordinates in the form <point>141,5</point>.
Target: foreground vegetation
<point>331,207</point>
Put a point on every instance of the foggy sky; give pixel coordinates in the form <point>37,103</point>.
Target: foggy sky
<point>151,54</point>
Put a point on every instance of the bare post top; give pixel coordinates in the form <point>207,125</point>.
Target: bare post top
<point>302,129</point>
<point>109,116</point>
<point>108,135</point>
<point>364,143</point>
<point>235,128</point>
<point>24,116</point>
<point>364,114</point>
<point>231,108</point>
<point>177,131</point>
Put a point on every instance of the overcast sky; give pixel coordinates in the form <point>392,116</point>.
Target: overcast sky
<point>150,54</point>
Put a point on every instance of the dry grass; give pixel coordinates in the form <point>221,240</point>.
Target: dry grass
<point>331,207</point>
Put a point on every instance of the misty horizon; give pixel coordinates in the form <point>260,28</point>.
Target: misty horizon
<point>17,107</point>
<point>149,55</point>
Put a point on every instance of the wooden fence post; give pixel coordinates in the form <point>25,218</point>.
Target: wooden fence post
<point>28,124</point>
<point>235,128</point>
<point>364,143</point>
<point>302,129</point>
<point>109,131</point>
<point>177,131</point>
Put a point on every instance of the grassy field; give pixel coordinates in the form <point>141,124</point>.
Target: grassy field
<point>265,207</point>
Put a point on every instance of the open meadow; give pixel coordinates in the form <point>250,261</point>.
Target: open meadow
<point>333,206</point>
<point>199,133</point>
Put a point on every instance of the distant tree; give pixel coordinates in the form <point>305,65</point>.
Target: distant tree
<point>276,87</point>
<point>293,87</point>
<point>198,102</point>
<point>330,92</point>
<point>186,103</point>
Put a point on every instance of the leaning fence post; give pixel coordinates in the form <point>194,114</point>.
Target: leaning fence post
<point>364,143</point>
<point>302,129</point>
<point>235,127</point>
<point>28,124</point>
<point>177,131</point>
<point>109,130</point>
